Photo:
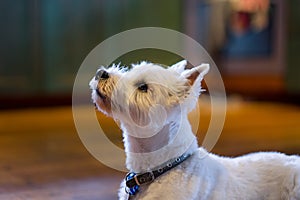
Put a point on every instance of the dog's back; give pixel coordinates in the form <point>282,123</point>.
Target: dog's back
<point>264,175</point>
<point>205,176</point>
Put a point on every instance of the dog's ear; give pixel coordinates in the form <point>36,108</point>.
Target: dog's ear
<point>178,67</point>
<point>194,77</point>
<point>196,74</point>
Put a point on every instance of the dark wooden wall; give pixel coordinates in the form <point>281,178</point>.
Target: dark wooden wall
<point>43,43</point>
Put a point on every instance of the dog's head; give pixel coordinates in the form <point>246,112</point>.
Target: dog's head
<point>147,94</point>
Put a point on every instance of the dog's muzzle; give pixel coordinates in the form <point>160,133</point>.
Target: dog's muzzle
<point>101,75</point>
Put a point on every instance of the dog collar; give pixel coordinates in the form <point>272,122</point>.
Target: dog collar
<point>134,180</point>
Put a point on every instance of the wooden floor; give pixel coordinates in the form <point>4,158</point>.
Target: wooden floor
<point>42,157</point>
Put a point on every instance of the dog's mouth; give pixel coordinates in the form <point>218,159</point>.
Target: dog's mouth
<point>102,96</point>
<point>102,103</point>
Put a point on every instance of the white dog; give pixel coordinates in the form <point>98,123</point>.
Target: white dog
<point>152,103</point>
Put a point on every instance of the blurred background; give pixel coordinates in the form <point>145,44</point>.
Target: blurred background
<point>255,44</point>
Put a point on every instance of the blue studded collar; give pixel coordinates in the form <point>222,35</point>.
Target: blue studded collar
<point>133,180</point>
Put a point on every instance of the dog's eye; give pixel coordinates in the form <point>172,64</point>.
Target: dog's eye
<point>143,87</point>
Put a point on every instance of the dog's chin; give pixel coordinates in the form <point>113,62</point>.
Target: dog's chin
<point>103,107</point>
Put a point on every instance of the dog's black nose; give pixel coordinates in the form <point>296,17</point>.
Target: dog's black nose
<point>101,74</point>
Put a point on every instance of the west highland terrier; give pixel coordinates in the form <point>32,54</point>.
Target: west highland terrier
<point>152,103</point>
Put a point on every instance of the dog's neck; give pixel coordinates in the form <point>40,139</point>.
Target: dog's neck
<point>173,140</point>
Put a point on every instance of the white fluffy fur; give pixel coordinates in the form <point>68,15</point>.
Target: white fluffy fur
<point>156,129</point>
